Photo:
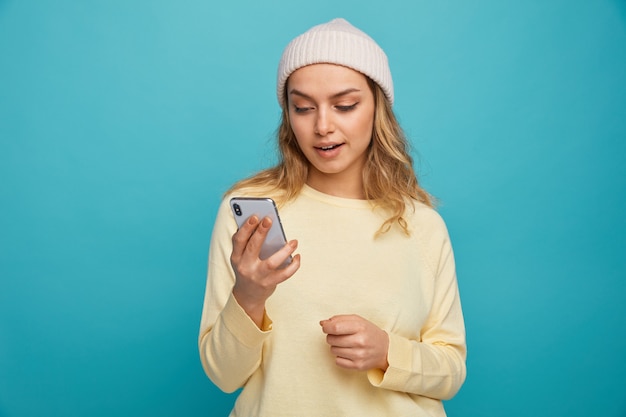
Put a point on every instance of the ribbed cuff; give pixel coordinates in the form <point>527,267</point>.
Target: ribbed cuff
<point>242,326</point>
<point>399,358</point>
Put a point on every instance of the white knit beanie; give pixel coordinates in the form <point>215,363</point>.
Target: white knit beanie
<point>336,42</point>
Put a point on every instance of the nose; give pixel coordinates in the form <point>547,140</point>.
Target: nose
<point>324,123</point>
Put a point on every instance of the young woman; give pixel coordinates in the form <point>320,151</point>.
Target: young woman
<point>366,320</point>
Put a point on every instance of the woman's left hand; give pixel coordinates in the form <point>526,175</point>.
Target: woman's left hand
<point>356,343</point>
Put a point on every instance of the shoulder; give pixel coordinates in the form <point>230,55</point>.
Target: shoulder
<point>423,217</point>
<point>430,233</point>
<point>427,226</point>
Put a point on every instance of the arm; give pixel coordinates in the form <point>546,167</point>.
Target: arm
<point>230,343</point>
<point>234,328</point>
<point>433,366</point>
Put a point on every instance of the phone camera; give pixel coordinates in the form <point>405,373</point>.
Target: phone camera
<point>237,209</point>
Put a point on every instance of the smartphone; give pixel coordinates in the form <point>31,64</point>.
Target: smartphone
<point>244,207</point>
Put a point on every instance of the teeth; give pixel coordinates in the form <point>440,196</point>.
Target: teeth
<point>326,148</point>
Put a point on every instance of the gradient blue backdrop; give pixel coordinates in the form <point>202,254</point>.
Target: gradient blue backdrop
<point>122,122</point>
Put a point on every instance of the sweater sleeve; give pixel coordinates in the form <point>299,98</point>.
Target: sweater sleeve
<point>433,366</point>
<point>230,344</point>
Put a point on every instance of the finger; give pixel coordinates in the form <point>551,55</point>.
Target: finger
<point>255,241</point>
<point>359,357</point>
<point>342,341</point>
<point>347,353</point>
<point>345,363</point>
<point>342,324</point>
<point>283,274</point>
<point>242,236</point>
<point>350,358</point>
<point>277,260</point>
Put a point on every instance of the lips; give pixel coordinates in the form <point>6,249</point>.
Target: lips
<point>327,148</point>
<point>329,151</point>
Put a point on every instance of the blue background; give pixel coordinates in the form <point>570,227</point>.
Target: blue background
<point>122,122</point>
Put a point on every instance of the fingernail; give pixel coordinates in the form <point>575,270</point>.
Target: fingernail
<point>266,222</point>
<point>253,220</point>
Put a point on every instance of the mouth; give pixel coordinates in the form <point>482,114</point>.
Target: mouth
<point>328,147</point>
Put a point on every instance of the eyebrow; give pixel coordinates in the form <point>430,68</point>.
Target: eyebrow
<point>295,92</point>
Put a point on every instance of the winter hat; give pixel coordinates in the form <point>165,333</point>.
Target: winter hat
<point>335,42</point>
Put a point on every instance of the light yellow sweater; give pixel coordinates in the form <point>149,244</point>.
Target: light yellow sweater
<point>405,285</point>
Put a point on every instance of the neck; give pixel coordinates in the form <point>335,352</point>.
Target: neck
<point>336,185</point>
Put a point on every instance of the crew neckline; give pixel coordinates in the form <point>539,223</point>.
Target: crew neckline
<point>334,200</point>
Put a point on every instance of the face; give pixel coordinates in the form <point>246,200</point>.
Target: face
<point>331,112</point>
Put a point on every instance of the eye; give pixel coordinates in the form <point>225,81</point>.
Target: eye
<point>347,108</point>
<point>301,109</point>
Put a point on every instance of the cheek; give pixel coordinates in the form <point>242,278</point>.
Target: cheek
<point>365,125</point>
<point>299,128</point>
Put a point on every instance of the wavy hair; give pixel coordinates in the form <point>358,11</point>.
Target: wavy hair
<point>389,179</point>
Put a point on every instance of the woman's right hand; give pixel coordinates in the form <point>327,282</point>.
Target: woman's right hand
<point>256,279</point>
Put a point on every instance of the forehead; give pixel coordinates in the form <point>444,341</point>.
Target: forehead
<point>326,76</point>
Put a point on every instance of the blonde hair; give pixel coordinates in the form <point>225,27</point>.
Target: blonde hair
<point>388,177</point>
